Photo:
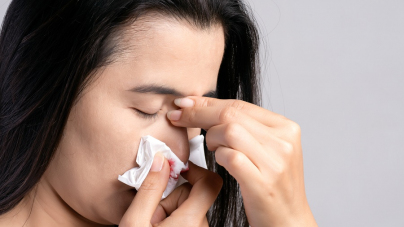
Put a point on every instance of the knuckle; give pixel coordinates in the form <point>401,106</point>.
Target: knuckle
<point>282,168</point>
<point>235,160</point>
<point>238,104</point>
<point>207,102</point>
<point>232,132</point>
<point>279,169</point>
<point>293,128</point>
<point>287,147</point>
<point>191,115</point>
<point>227,114</point>
<point>149,185</point>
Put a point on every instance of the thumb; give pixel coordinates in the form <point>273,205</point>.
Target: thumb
<point>149,194</point>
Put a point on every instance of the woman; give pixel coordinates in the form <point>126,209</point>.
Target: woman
<point>82,81</point>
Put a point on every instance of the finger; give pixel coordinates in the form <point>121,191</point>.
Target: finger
<point>206,186</point>
<point>238,165</point>
<point>207,117</point>
<point>149,194</point>
<point>235,136</point>
<point>264,116</point>
<point>245,172</point>
<point>175,199</point>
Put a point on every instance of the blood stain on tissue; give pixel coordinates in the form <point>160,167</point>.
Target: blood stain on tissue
<point>172,164</point>
<point>184,170</point>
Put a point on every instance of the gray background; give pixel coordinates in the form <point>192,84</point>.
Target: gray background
<point>337,69</point>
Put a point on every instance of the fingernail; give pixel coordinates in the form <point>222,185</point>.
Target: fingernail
<point>158,162</point>
<point>174,115</point>
<point>184,102</point>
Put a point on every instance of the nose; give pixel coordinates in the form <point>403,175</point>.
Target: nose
<point>176,138</point>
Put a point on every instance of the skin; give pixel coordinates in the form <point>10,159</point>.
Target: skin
<point>102,135</point>
<point>261,149</point>
<point>254,145</point>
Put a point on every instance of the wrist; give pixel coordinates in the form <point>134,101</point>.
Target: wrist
<point>304,219</point>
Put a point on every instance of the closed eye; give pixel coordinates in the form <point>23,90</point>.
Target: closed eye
<point>146,115</point>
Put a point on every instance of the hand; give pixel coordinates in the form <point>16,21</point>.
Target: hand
<point>187,205</point>
<point>260,149</point>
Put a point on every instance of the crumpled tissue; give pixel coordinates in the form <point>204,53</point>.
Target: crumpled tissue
<point>148,147</point>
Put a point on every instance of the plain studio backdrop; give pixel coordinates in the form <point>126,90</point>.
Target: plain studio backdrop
<point>337,69</point>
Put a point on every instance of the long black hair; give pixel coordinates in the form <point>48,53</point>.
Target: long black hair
<point>50,49</point>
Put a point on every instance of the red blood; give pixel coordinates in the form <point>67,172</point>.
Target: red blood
<point>185,170</point>
<point>172,164</point>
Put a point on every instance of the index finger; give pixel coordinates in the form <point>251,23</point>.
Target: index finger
<point>258,113</point>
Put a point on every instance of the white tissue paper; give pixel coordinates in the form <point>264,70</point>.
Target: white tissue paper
<point>148,147</point>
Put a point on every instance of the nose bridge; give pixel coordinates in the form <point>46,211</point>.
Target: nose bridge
<point>176,138</point>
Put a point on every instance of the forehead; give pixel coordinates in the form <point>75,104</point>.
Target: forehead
<point>165,51</point>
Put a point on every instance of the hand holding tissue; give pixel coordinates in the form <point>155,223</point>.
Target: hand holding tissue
<point>148,147</point>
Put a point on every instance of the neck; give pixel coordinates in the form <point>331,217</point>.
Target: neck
<point>44,207</point>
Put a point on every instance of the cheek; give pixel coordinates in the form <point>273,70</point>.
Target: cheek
<point>105,133</point>
<point>100,142</point>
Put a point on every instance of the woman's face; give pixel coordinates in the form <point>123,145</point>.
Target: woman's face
<point>104,128</point>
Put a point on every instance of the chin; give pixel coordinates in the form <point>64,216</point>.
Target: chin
<point>112,211</point>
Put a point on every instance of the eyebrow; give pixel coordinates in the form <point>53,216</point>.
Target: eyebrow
<point>163,90</point>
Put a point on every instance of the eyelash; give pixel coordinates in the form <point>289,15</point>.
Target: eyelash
<point>146,115</point>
